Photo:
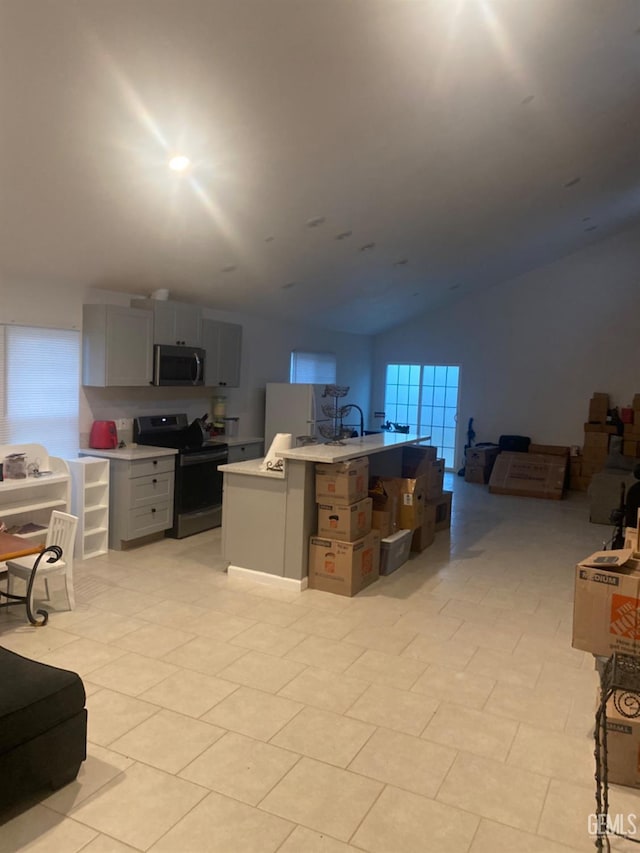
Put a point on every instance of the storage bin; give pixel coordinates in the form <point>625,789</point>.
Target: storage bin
<point>394,551</point>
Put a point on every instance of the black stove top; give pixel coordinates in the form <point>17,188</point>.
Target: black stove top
<point>173,431</point>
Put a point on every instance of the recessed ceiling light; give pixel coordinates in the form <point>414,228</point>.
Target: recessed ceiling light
<point>573,182</point>
<point>229,268</point>
<point>591,228</point>
<point>527,100</point>
<point>586,218</point>
<point>454,286</point>
<point>313,223</point>
<point>288,285</point>
<point>401,262</point>
<point>366,247</point>
<point>179,163</point>
<point>343,235</point>
<point>269,239</point>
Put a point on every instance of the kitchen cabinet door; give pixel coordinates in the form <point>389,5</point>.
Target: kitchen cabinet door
<point>223,345</point>
<point>174,323</point>
<point>117,346</point>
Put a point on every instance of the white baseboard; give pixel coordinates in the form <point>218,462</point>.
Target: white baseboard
<point>264,577</point>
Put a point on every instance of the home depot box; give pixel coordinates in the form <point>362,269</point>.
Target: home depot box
<point>482,456</point>
<point>416,459</point>
<point>345,521</point>
<point>528,475</point>
<point>606,607</point>
<point>402,496</point>
<point>344,567</point>
<point>394,551</point>
<point>623,744</point>
<point>342,481</point>
<point>550,449</point>
<point>424,535</point>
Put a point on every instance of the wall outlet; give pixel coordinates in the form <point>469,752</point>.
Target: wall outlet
<point>124,424</point>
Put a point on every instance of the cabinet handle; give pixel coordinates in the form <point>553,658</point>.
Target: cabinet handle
<point>153,509</point>
<point>155,461</point>
<point>154,481</point>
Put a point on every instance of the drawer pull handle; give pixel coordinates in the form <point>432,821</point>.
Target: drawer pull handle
<point>153,509</point>
<point>155,461</point>
<point>154,481</point>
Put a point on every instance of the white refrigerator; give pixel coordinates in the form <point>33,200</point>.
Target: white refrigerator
<point>294,408</point>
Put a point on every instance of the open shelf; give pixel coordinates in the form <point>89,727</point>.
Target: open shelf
<point>90,502</point>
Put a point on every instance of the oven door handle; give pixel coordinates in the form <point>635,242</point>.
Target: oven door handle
<point>205,456</point>
<point>198,362</point>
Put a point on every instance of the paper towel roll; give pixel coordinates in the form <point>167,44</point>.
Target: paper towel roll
<point>282,441</point>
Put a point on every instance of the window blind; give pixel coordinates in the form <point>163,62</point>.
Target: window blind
<point>39,388</point>
<point>316,367</point>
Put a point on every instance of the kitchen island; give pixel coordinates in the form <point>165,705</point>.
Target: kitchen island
<point>268,516</point>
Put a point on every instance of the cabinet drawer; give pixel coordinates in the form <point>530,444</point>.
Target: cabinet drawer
<point>149,490</point>
<point>150,519</point>
<point>242,452</point>
<point>155,465</point>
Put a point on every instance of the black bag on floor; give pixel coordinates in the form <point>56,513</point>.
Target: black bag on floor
<point>514,443</point>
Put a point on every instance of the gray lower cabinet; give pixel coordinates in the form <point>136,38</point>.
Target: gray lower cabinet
<point>141,498</point>
<point>242,452</point>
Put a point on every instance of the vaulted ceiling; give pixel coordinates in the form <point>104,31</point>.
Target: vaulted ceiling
<point>353,162</point>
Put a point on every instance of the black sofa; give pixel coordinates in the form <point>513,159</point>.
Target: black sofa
<point>43,728</point>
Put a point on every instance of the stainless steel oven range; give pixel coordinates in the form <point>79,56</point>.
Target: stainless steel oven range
<point>198,484</point>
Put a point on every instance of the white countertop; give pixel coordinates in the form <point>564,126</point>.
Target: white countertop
<point>352,447</point>
<point>130,452</point>
<point>250,467</point>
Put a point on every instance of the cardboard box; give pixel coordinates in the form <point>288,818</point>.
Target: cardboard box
<point>528,475</point>
<point>344,567</point>
<point>606,607</point>
<point>434,479</point>
<point>442,510</point>
<point>598,407</point>
<point>425,535</point>
<point>596,441</point>
<point>345,521</point>
<point>636,402</point>
<point>394,551</point>
<point>402,496</point>
<point>623,744</point>
<point>382,521</point>
<point>479,457</point>
<point>477,474</point>
<point>580,484</point>
<point>632,431</point>
<point>630,448</point>
<point>550,449</point>
<point>342,481</point>
<point>416,459</point>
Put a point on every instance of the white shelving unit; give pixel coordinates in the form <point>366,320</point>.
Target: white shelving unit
<point>31,500</point>
<point>90,503</point>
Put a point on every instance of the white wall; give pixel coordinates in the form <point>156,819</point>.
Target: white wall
<point>265,358</point>
<point>534,349</point>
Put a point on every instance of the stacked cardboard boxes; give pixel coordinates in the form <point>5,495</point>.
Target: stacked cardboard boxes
<point>606,619</point>
<point>344,556</point>
<point>596,440</point>
<point>478,463</point>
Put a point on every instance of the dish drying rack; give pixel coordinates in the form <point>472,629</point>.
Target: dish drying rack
<point>335,431</point>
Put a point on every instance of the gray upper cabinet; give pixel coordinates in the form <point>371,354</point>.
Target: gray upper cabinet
<point>223,345</point>
<point>117,346</point>
<point>174,323</point>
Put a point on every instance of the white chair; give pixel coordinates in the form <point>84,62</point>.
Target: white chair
<point>61,532</point>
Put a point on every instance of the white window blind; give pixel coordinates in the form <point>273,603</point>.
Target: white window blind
<point>316,367</point>
<point>39,388</point>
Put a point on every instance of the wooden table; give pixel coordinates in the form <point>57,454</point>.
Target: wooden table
<point>12,547</point>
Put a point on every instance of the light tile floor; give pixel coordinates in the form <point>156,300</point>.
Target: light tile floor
<point>442,709</point>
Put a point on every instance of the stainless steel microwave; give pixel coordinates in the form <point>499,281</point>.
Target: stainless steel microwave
<point>178,365</point>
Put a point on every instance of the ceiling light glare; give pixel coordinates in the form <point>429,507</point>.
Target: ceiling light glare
<point>179,163</point>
